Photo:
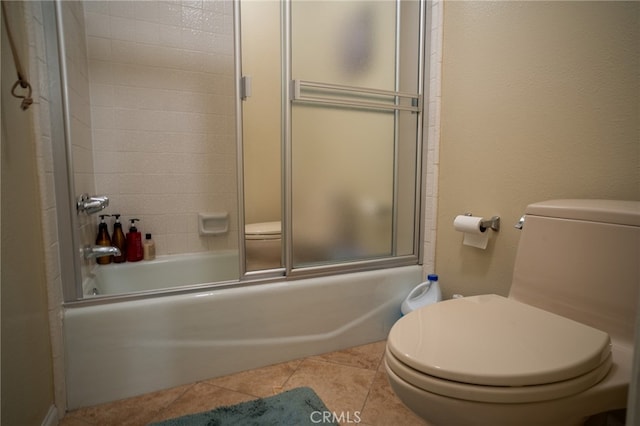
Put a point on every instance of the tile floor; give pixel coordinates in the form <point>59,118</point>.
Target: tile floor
<point>347,381</point>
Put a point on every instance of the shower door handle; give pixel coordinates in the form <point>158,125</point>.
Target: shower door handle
<point>245,87</point>
<point>352,96</point>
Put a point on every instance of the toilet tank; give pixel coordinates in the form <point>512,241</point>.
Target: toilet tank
<point>581,259</point>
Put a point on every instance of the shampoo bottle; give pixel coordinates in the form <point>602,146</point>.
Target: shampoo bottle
<point>149,248</point>
<point>118,240</point>
<point>103,239</point>
<point>134,243</point>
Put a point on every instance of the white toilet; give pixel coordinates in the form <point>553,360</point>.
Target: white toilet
<point>556,351</point>
<point>263,245</point>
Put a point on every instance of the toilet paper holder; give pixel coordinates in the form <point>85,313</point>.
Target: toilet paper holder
<point>493,223</point>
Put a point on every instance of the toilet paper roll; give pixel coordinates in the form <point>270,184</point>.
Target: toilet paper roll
<point>474,234</point>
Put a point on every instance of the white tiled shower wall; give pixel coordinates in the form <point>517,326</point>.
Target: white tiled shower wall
<point>162,114</point>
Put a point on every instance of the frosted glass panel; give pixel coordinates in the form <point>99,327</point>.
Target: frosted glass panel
<point>406,191</point>
<point>346,42</point>
<point>343,174</point>
<point>353,142</point>
<point>349,140</point>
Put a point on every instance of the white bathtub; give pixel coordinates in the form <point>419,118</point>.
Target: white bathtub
<point>118,350</point>
<point>162,272</point>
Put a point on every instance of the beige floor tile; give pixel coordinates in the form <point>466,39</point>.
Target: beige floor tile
<point>384,408</point>
<point>343,389</point>
<point>134,411</point>
<point>261,382</point>
<point>365,356</point>
<point>72,421</point>
<point>201,397</point>
<point>347,381</point>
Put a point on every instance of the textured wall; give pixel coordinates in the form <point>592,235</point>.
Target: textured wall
<point>27,381</point>
<point>539,101</point>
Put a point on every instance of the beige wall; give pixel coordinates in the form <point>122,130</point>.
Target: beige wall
<point>540,100</point>
<point>27,382</point>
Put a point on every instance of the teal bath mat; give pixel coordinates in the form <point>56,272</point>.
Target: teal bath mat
<point>299,406</point>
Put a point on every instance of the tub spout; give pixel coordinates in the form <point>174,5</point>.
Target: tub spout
<point>91,204</point>
<point>92,252</point>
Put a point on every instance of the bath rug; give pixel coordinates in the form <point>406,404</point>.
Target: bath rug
<point>299,406</point>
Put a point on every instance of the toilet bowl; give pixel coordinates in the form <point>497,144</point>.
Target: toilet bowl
<point>495,351</point>
<point>263,245</point>
<point>556,351</point>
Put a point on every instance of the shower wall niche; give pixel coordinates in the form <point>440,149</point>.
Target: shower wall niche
<point>152,115</point>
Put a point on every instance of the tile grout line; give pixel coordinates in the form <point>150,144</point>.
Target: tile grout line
<point>302,360</point>
<point>166,407</point>
<point>375,376</point>
<point>373,380</point>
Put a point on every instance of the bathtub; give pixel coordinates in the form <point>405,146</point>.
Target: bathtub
<point>118,350</point>
<point>162,273</point>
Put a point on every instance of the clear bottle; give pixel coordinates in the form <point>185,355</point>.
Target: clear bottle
<point>149,248</point>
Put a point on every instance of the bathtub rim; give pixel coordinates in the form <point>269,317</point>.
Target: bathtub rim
<point>159,260</point>
<point>252,278</point>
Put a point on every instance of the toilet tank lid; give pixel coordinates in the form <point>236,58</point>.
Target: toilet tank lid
<point>619,212</point>
<point>263,228</point>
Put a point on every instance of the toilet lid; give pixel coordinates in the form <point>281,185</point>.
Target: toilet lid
<point>492,340</point>
<point>262,230</point>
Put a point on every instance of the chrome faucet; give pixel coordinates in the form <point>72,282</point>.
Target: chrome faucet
<point>92,252</point>
<point>91,204</point>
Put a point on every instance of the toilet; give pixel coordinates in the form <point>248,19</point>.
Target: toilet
<point>556,351</point>
<point>263,246</point>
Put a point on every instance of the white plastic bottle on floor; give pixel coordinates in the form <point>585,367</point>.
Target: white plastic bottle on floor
<point>423,294</point>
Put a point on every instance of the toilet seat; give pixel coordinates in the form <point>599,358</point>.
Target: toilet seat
<point>496,350</point>
<point>263,231</point>
<point>497,394</point>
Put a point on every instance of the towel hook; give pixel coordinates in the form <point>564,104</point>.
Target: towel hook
<point>26,100</point>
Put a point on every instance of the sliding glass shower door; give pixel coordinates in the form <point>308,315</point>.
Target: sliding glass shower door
<point>354,130</point>
<point>349,128</point>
